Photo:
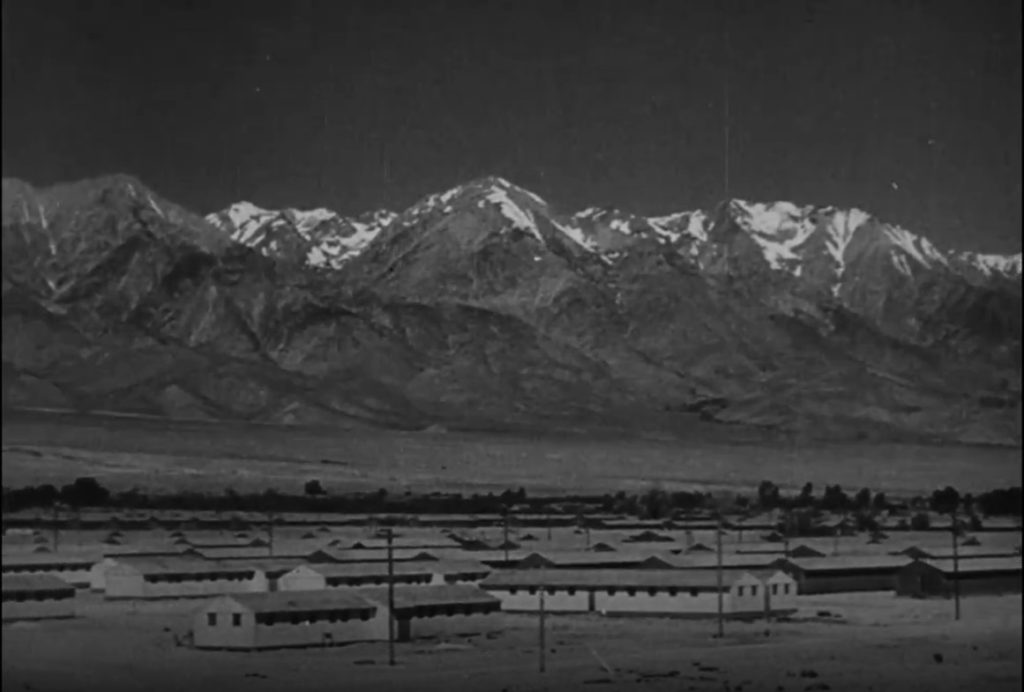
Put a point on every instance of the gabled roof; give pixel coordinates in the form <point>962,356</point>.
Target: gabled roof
<point>840,563</point>
<point>36,583</point>
<point>707,561</point>
<point>648,537</point>
<point>568,558</point>
<point>620,579</point>
<point>407,542</point>
<point>271,566</point>
<point>342,555</point>
<point>633,523</point>
<point>48,560</point>
<point>184,566</point>
<point>344,600</point>
<point>227,543</point>
<point>487,557</point>
<point>978,565</point>
<point>242,553</point>
<point>803,550</point>
<point>145,550</point>
<point>440,596</point>
<point>964,552</point>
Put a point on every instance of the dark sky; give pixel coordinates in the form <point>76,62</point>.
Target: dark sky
<point>910,109</point>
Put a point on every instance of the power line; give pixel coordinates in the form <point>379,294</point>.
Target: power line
<point>719,579</point>
<point>956,567</point>
<point>541,623</point>
<point>390,598</point>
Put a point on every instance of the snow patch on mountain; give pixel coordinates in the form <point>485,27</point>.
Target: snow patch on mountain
<point>791,239</point>
<point>243,220</point>
<point>329,239</point>
<point>521,219</point>
<point>839,232</point>
<point>588,213</point>
<point>988,265</point>
<point>673,227</point>
<point>913,247</point>
<point>42,215</point>
<point>576,234</point>
<point>620,226</point>
<point>779,229</point>
<point>306,221</point>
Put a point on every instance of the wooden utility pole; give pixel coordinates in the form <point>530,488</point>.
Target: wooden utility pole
<point>56,527</point>
<point>505,533</point>
<point>956,567</point>
<point>767,602</point>
<point>391,598</point>
<point>787,527</point>
<point>541,623</point>
<point>719,579</point>
<point>270,533</point>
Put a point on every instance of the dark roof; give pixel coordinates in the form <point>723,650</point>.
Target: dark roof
<point>912,551</point>
<point>706,561</point>
<point>572,558</point>
<point>427,568</point>
<point>609,578</point>
<point>409,543</point>
<point>805,551</point>
<point>344,555</point>
<point>978,565</point>
<point>47,560</point>
<point>184,566</point>
<point>242,554</point>
<point>35,583</point>
<point>305,601</point>
<point>633,523</point>
<point>971,553</point>
<point>228,543</point>
<point>408,598</point>
<point>271,566</point>
<point>845,562</point>
<point>648,537</point>
<point>144,551</point>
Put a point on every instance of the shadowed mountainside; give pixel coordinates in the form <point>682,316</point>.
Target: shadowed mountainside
<point>485,306</point>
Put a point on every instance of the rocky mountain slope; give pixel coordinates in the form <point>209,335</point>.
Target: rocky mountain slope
<point>485,305</point>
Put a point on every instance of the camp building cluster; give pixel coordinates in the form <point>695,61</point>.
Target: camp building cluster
<point>311,580</point>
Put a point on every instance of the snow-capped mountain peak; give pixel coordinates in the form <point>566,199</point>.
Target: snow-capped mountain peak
<point>912,248</point>
<point>779,228</point>
<point>977,265</point>
<point>316,237</point>
<point>808,243</point>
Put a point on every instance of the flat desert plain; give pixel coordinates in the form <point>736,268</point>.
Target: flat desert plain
<point>868,641</point>
<point>154,454</point>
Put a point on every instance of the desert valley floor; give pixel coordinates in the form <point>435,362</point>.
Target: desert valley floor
<point>869,640</point>
<point>876,643</point>
<point>125,452</point>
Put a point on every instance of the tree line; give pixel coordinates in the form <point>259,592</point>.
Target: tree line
<point>655,503</point>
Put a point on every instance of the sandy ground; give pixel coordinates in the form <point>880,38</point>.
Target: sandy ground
<point>123,453</point>
<point>869,642</point>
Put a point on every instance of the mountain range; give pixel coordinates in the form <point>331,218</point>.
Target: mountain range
<point>486,306</point>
